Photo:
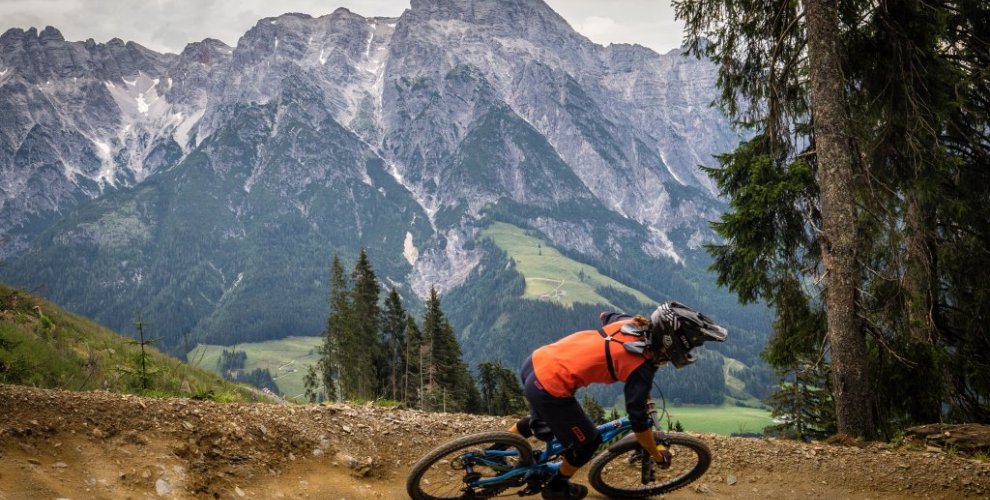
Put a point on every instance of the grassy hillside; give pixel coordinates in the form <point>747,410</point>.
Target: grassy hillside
<point>550,275</point>
<point>43,346</point>
<point>287,360</point>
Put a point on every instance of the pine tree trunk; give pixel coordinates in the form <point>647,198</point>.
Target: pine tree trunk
<point>919,270</point>
<point>836,164</point>
<point>394,371</point>
<point>921,288</point>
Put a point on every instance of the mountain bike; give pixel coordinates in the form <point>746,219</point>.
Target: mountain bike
<point>486,464</point>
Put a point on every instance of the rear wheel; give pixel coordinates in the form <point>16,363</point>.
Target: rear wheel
<point>454,469</point>
<point>628,472</point>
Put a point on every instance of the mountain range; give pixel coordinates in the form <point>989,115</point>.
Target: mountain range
<point>207,190</point>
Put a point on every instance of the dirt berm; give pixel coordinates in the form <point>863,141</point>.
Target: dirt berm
<point>83,445</point>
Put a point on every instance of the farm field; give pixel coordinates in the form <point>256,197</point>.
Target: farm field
<point>287,359</point>
<point>551,275</point>
<point>725,419</point>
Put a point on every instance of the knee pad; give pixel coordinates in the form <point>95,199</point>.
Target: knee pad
<point>582,453</point>
<point>529,426</point>
<point>523,427</point>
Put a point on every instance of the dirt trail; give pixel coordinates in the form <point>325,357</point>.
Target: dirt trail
<point>58,444</point>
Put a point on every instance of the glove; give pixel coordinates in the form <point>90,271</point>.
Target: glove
<point>660,453</point>
<point>666,457</point>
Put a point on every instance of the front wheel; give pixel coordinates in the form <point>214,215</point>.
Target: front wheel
<point>626,471</point>
<point>466,467</point>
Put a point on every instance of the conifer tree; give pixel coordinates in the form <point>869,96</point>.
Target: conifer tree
<point>394,327</point>
<point>803,404</point>
<point>488,379</point>
<point>363,361</point>
<point>594,410</point>
<point>311,385</point>
<point>449,385</point>
<point>501,393</point>
<point>429,389</point>
<point>865,174</point>
<point>332,349</point>
<point>471,397</point>
<point>412,376</point>
<point>453,376</point>
<point>144,369</point>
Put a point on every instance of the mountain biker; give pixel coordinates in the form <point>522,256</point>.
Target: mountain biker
<point>553,373</point>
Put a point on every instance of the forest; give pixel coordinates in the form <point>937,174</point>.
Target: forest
<point>373,350</point>
<point>859,206</point>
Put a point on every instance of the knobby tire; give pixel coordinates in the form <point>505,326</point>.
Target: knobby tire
<point>440,459</point>
<point>691,460</point>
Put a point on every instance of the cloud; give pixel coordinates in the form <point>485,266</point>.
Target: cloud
<point>598,28</point>
<point>647,22</point>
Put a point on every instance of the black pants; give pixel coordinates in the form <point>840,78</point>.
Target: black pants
<point>570,425</point>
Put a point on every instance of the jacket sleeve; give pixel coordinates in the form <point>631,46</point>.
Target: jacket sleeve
<point>608,317</point>
<point>637,392</point>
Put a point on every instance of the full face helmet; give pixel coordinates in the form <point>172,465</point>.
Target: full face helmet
<point>676,329</point>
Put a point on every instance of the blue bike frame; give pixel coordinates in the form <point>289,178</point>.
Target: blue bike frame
<point>611,433</point>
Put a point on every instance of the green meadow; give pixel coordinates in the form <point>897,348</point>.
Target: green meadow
<point>550,275</point>
<point>287,359</point>
<point>725,419</point>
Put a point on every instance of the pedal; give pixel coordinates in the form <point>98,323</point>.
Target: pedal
<point>529,490</point>
<point>534,485</point>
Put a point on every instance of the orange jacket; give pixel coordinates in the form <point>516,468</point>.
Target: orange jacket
<point>578,360</point>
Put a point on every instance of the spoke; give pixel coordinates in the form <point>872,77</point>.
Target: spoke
<point>449,477</point>
<point>625,470</point>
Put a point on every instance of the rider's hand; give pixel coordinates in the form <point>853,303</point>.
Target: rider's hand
<point>660,453</point>
<point>665,457</point>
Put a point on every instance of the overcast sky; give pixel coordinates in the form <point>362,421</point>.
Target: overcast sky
<point>168,25</point>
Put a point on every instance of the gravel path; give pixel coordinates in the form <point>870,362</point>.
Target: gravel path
<point>60,444</point>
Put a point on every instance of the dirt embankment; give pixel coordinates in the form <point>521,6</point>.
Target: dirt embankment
<point>57,444</point>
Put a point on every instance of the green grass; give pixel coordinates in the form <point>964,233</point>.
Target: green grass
<point>550,275</point>
<point>737,388</point>
<point>43,346</point>
<point>287,359</point>
<point>725,419</point>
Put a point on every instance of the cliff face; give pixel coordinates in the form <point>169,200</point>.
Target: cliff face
<point>239,168</point>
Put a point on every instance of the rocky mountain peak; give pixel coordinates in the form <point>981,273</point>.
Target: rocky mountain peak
<point>484,11</point>
<point>17,37</point>
<point>344,12</point>
<point>50,34</point>
<point>39,57</point>
<point>533,20</point>
<point>206,51</point>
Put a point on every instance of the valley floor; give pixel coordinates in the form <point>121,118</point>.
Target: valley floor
<point>59,444</point>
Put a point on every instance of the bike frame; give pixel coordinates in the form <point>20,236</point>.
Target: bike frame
<point>611,433</point>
